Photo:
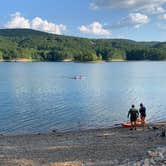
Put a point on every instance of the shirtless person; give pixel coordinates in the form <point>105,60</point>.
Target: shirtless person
<point>142,111</point>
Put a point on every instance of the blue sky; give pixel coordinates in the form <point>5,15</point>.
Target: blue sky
<point>141,20</point>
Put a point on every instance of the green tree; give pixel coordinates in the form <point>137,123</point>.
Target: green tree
<point>1,57</point>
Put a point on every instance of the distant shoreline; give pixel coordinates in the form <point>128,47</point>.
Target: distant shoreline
<point>69,60</point>
<point>65,60</point>
<point>17,60</point>
<point>29,43</point>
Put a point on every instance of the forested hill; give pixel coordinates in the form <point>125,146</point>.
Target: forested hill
<point>31,44</point>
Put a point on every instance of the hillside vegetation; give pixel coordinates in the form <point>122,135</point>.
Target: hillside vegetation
<point>41,46</point>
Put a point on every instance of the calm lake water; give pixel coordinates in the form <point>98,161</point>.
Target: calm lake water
<point>40,97</point>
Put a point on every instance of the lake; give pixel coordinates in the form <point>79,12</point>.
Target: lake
<point>40,97</point>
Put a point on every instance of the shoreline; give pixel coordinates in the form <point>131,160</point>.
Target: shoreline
<point>89,147</point>
<point>23,60</point>
<point>18,60</point>
<point>74,131</point>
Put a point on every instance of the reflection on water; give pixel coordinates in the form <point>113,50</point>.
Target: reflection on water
<point>39,97</point>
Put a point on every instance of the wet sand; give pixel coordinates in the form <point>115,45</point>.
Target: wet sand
<point>91,147</point>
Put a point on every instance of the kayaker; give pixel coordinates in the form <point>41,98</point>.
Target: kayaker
<point>142,111</point>
<point>133,114</point>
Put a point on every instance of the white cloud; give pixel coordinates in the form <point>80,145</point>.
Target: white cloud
<point>155,9</point>
<point>44,25</point>
<point>18,21</point>
<point>95,29</point>
<point>162,17</point>
<point>150,6</point>
<point>133,19</point>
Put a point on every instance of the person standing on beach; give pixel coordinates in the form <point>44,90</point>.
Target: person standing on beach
<point>142,111</point>
<point>133,114</point>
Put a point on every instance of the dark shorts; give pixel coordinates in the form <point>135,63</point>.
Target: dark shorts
<point>133,119</point>
<point>143,115</point>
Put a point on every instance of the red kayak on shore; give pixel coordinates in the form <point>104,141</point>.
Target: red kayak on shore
<point>128,124</point>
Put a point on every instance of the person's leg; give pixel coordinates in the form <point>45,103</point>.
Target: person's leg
<point>135,124</point>
<point>143,118</point>
<point>131,121</point>
<point>143,121</point>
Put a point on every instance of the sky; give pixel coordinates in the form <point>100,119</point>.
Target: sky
<point>140,20</point>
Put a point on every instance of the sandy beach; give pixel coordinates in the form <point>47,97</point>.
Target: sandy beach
<point>92,147</point>
<point>18,60</point>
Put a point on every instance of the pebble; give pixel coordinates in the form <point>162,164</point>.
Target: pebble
<point>152,161</point>
<point>156,157</point>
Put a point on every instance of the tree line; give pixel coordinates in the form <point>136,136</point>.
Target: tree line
<point>41,46</point>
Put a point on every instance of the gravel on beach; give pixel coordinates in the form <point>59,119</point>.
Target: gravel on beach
<point>101,147</point>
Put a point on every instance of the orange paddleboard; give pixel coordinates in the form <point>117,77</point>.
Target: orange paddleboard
<point>128,124</point>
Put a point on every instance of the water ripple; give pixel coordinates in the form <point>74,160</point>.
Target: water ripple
<point>44,98</point>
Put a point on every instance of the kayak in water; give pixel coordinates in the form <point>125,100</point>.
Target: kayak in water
<point>128,124</point>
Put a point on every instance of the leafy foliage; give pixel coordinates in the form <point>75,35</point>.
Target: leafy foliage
<point>31,44</point>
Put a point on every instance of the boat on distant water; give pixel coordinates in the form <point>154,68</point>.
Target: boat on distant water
<point>78,77</point>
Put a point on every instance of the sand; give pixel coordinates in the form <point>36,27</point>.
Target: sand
<point>17,60</point>
<point>91,147</point>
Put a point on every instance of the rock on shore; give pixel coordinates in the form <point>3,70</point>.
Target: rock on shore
<point>156,157</point>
